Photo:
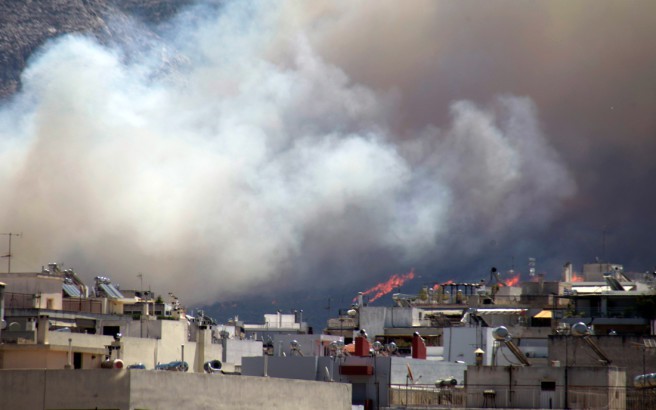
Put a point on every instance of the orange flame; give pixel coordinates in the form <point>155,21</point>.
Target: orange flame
<point>386,287</point>
<point>576,278</point>
<point>514,281</point>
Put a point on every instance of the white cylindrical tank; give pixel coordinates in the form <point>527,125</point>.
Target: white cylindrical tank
<point>501,333</point>
<point>580,329</point>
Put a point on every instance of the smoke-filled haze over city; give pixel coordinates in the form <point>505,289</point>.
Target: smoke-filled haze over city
<point>273,146</point>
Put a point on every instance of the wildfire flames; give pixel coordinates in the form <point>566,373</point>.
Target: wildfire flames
<point>576,278</point>
<point>514,281</point>
<point>386,287</point>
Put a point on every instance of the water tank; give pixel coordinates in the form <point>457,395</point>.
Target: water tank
<point>501,333</point>
<point>651,379</point>
<point>213,366</point>
<point>449,381</point>
<point>645,381</point>
<point>579,329</point>
<point>112,364</point>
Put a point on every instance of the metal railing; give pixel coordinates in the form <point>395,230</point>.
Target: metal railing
<point>81,305</point>
<point>639,399</point>
<point>573,397</point>
<point>20,300</point>
<point>15,300</point>
<point>427,395</point>
<point>578,397</point>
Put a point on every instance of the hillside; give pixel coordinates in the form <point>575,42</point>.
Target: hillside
<point>26,25</point>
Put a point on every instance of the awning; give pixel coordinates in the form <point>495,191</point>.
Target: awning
<point>545,314</point>
<point>62,323</point>
<point>500,311</point>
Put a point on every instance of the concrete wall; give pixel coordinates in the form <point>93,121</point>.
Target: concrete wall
<point>133,350</point>
<point>460,343</point>
<point>376,318</point>
<point>629,352</point>
<point>33,357</point>
<point>48,287</point>
<point>523,387</point>
<point>280,320</point>
<point>374,387</point>
<point>237,349</point>
<point>144,389</point>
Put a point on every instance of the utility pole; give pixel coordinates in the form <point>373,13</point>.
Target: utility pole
<point>8,255</point>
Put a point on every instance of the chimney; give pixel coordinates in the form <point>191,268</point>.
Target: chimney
<point>567,272</point>
<point>418,347</point>
<point>202,340</point>
<point>362,346</point>
<point>360,299</point>
<point>42,330</point>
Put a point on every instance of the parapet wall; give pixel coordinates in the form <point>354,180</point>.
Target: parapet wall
<point>162,390</point>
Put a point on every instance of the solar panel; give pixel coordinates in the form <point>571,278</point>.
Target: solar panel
<point>72,290</point>
<point>111,291</point>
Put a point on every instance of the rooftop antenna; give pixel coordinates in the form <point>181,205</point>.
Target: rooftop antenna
<point>8,255</point>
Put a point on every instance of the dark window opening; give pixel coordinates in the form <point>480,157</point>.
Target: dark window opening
<point>111,330</point>
<point>77,360</point>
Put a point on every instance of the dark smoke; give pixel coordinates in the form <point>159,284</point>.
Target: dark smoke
<point>258,146</point>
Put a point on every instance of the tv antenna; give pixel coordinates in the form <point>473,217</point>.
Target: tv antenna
<point>8,255</point>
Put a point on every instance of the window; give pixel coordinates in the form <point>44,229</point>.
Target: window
<point>77,360</point>
<point>548,386</point>
<point>111,330</point>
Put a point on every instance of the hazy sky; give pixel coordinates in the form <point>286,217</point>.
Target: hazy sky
<point>276,145</point>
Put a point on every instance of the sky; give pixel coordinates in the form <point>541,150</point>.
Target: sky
<point>272,147</point>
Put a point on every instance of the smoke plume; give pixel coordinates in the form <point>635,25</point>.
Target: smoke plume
<point>281,146</point>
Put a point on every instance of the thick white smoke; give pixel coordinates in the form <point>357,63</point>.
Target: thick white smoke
<point>253,161</point>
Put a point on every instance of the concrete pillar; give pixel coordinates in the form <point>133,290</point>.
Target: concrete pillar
<point>567,272</point>
<point>478,353</point>
<point>42,329</point>
<point>201,342</point>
